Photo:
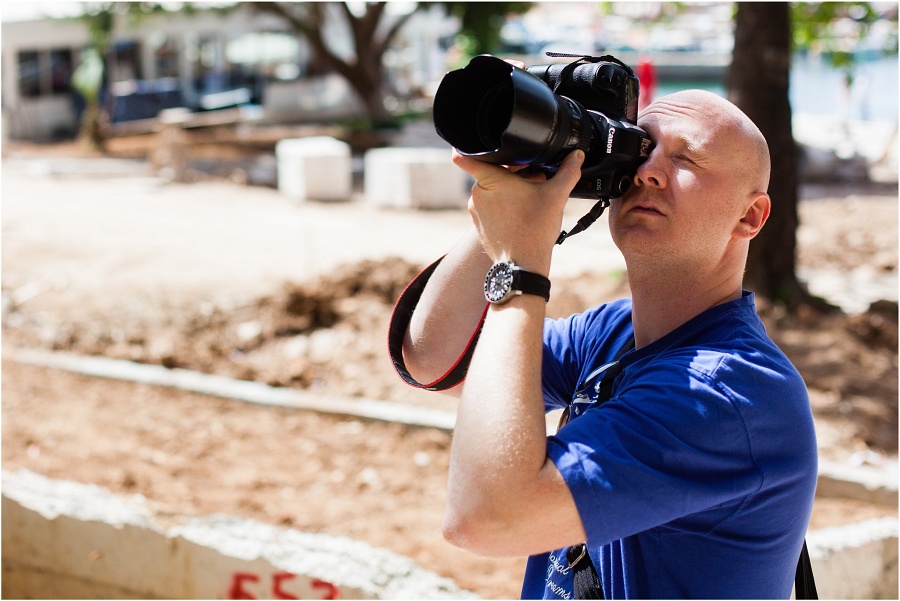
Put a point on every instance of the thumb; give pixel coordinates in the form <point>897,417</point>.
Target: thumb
<point>569,171</point>
<point>483,172</point>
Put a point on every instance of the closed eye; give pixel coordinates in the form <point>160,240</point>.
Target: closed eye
<point>690,151</point>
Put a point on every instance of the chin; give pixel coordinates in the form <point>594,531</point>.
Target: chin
<point>641,244</point>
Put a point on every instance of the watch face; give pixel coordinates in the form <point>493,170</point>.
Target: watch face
<point>498,282</point>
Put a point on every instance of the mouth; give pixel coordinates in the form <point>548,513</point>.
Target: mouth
<point>644,206</point>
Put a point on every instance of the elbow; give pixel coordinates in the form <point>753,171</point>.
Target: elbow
<point>419,364</point>
<point>476,531</point>
<point>464,533</point>
<point>416,364</point>
<point>454,530</point>
<point>424,367</point>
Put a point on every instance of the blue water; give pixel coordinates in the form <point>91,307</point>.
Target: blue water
<point>818,89</point>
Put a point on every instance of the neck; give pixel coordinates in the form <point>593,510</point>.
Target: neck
<point>660,304</point>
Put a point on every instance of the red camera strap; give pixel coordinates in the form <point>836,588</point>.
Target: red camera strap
<point>400,319</point>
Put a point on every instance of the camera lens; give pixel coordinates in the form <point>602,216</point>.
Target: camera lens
<point>509,116</point>
<point>494,113</point>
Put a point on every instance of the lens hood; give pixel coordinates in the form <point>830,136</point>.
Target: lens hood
<point>499,113</point>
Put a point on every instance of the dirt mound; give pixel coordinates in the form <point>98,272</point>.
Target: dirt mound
<point>129,290</point>
<point>324,334</point>
<point>329,335</point>
<point>849,364</point>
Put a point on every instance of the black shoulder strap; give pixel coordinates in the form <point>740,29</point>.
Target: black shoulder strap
<point>604,392</point>
<point>804,581</point>
<point>585,580</point>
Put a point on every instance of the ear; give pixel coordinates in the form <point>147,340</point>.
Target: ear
<point>754,217</point>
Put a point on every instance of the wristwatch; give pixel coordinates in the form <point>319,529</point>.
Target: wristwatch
<point>505,279</point>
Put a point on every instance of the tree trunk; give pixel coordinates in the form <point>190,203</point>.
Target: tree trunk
<point>367,80</point>
<point>757,82</point>
<point>91,131</point>
<point>364,71</point>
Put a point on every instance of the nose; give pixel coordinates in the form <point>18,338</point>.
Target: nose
<point>651,172</point>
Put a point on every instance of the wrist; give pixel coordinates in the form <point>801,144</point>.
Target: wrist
<point>507,279</point>
<point>527,261</point>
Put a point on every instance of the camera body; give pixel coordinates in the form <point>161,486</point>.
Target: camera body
<point>605,86</point>
<point>502,114</point>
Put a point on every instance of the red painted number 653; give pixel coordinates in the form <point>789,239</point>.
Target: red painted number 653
<point>239,579</point>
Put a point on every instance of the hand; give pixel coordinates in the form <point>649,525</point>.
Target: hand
<point>519,216</point>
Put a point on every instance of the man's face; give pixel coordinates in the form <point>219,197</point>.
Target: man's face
<point>685,199</point>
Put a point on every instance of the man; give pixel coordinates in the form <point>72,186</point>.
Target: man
<point>696,477</point>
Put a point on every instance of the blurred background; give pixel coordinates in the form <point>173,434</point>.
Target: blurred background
<point>286,62</point>
<point>243,189</point>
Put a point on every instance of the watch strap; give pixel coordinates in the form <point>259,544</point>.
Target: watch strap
<point>531,283</point>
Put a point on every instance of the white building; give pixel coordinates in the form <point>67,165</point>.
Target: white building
<point>204,61</point>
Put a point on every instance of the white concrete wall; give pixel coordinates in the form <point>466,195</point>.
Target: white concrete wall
<point>857,561</point>
<point>414,178</point>
<point>865,483</point>
<point>314,168</point>
<point>324,98</point>
<point>41,119</point>
<point>69,540</point>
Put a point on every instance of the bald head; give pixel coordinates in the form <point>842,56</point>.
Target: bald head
<point>732,131</point>
<point>707,174</point>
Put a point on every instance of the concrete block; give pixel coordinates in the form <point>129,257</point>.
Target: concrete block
<point>314,168</point>
<point>65,540</point>
<point>240,390</point>
<point>856,561</point>
<point>414,178</point>
<point>865,483</point>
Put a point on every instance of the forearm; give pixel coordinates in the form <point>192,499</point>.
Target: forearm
<point>500,477</point>
<point>505,496</point>
<point>448,312</point>
<point>500,432</point>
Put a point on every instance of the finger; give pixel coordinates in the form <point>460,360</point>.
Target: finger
<point>569,171</point>
<point>533,175</point>
<point>481,171</point>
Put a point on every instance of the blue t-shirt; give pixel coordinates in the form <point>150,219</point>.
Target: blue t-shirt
<point>696,479</point>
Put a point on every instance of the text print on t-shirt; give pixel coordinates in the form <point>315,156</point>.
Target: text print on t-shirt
<point>559,579</point>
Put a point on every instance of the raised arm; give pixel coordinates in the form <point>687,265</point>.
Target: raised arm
<point>502,487</point>
<point>448,313</point>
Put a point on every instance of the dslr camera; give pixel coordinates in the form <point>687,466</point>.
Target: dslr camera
<point>502,114</point>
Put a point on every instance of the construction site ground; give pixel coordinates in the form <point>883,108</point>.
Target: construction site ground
<point>102,257</point>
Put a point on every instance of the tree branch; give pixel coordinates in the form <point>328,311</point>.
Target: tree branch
<point>397,26</point>
<point>278,9</point>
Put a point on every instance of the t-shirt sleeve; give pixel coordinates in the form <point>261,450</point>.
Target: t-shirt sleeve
<point>575,345</point>
<point>668,444</point>
<point>559,373</point>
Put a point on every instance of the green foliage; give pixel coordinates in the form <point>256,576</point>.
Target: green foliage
<point>386,123</point>
<point>100,18</point>
<point>814,22</point>
<point>88,77</point>
<point>481,22</point>
<point>835,29</point>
